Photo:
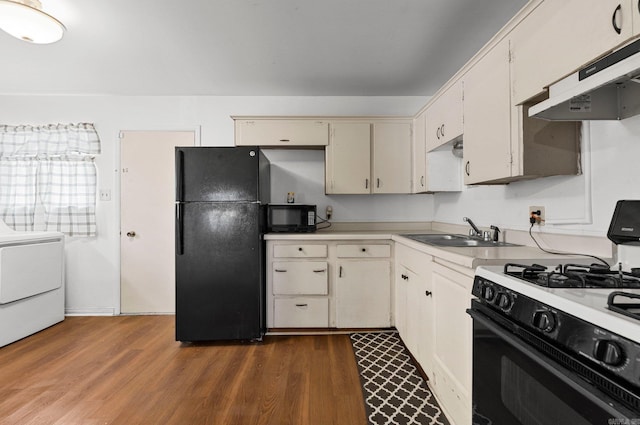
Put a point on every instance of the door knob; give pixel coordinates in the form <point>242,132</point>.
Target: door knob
<point>131,234</point>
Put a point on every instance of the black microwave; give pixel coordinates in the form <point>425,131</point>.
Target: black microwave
<point>291,218</point>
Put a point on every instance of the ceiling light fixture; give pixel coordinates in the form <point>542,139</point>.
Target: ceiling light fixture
<point>24,19</point>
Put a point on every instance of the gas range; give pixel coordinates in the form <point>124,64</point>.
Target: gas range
<point>581,321</point>
<point>498,287</point>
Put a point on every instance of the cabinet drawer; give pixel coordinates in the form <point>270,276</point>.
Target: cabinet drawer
<point>301,313</point>
<point>299,251</point>
<point>300,277</point>
<point>281,132</point>
<point>364,251</point>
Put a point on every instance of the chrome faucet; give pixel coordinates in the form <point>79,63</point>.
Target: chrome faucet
<point>496,230</point>
<point>474,231</point>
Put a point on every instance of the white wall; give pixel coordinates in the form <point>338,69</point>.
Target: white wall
<point>93,264</point>
<point>93,271</point>
<point>577,205</point>
<point>302,172</point>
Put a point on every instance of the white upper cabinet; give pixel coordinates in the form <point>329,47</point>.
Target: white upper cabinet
<point>348,158</point>
<point>501,143</point>
<point>560,36</point>
<point>487,118</point>
<point>445,117</point>
<point>369,157</point>
<point>391,157</point>
<point>419,154</point>
<point>281,132</point>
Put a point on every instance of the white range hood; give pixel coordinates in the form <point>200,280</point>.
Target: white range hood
<point>608,89</point>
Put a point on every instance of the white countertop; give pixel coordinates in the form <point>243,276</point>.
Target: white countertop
<point>470,257</point>
<point>8,235</point>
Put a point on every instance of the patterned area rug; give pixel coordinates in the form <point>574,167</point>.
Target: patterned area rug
<point>394,391</point>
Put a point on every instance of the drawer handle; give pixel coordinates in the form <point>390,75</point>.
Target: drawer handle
<point>340,272</point>
<point>320,271</point>
<point>302,305</point>
<point>280,271</point>
<point>285,140</point>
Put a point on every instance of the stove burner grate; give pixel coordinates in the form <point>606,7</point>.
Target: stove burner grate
<point>573,276</point>
<point>631,309</point>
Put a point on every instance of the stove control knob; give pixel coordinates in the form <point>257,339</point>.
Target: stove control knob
<point>608,352</point>
<point>487,292</point>
<point>504,301</point>
<point>544,320</point>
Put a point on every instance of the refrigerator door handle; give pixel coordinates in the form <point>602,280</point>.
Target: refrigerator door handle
<point>179,230</point>
<point>179,175</point>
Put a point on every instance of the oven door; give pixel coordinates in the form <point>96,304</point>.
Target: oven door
<point>515,384</point>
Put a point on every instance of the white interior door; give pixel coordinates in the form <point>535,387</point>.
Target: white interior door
<point>147,204</point>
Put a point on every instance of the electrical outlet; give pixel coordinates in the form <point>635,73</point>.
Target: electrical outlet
<point>105,194</point>
<point>329,212</point>
<point>537,213</point>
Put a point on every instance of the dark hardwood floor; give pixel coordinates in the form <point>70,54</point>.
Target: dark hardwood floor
<point>130,370</point>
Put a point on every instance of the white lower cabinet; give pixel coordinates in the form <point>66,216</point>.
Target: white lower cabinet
<point>414,304</point>
<point>328,284</point>
<point>452,341</point>
<point>363,294</point>
<point>300,277</point>
<point>301,312</point>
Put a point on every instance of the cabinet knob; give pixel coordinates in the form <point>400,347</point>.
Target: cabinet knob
<point>300,249</point>
<point>428,293</point>
<point>131,234</point>
<point>364,249</point>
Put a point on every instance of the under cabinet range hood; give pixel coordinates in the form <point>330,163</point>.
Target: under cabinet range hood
<point>608,89</point>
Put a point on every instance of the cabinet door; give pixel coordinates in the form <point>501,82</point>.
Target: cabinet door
<point>422,295</point>
<point>400,301</point>
<point>363,294</point>
<point>391,157</point>
<point>281,132</point>
<point>635,7</point>
<point>444,117</point>
<point>348,158</point>
<point>413,324</point>
<point>419,154</point>
<point>452,342</point>
<point>487,118</point>
<point>560,36</point>
<point>300,278</point>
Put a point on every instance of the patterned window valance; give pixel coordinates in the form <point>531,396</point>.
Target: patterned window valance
<point>48,178</point>
<point>55,139</point>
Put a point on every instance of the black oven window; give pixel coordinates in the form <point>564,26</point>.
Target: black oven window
<point>530,402</point>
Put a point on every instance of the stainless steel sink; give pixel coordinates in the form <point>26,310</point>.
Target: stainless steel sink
<point>455,241</point>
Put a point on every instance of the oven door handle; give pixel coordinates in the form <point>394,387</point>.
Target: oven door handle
<point>565,375</point>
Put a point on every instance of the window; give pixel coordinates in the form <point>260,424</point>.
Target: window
<point>48,178</point>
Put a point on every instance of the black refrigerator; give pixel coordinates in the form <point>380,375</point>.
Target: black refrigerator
<point>221,194</point>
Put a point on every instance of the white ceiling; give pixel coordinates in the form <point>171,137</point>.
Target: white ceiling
<point>253,47</point>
